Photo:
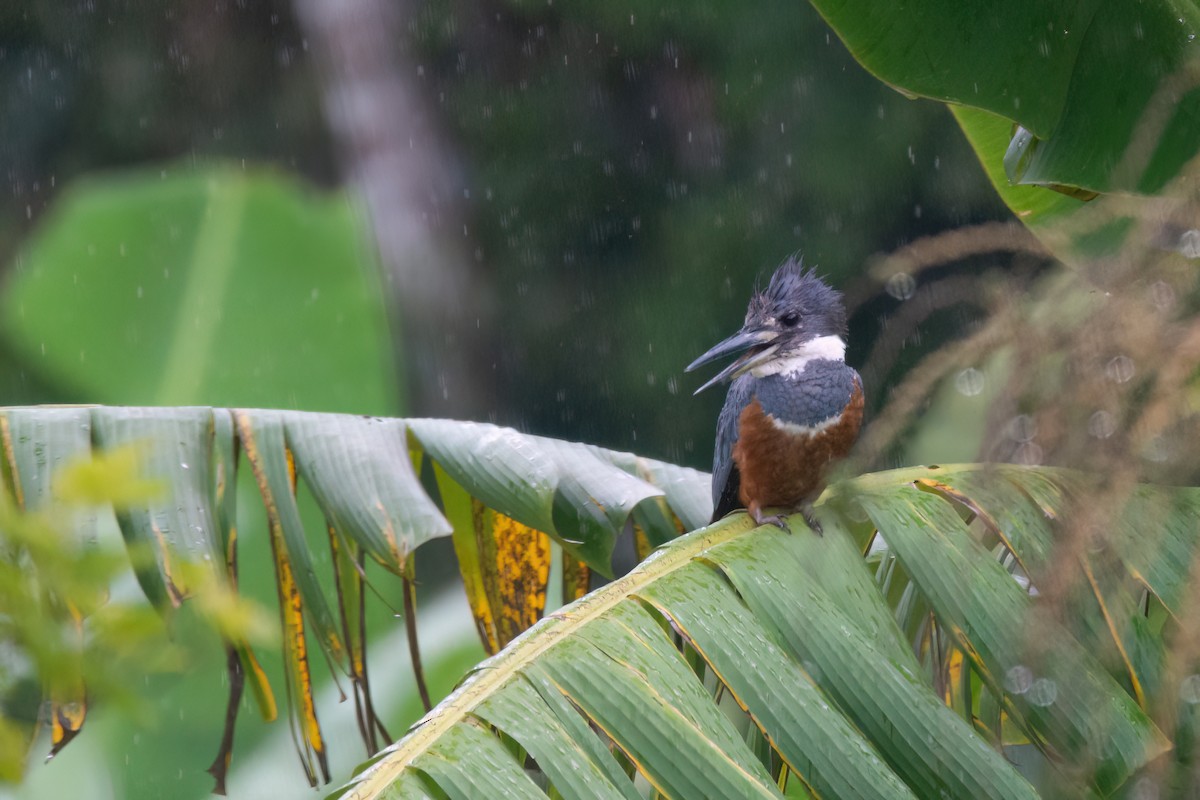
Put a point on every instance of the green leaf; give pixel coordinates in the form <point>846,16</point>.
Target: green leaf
<point>180,526</point>
<point>818,743</point>
<point>648,672</point>
<point>581,495</point>
<point>37,442</point>
<point>555,734</point>
<point>688,491</point>
<point>1077,706</point>
<point>473,764</point>
<point>1156,539</point>
<point>215,285</point>
<point>884,698</point>
<point>504,469</point>
<point>360,473</point>
<point>262,434</point>
<point>1103,88</point>
<point>989,135</point>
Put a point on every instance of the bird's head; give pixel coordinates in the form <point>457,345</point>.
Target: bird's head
<point>796,319</point>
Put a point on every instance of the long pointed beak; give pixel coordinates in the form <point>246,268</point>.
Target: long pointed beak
<point>743,340</point>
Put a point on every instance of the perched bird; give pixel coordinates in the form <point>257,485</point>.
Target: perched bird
<point>794,404</point>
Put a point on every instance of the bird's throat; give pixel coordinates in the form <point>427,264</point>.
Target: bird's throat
<point>823,348</point>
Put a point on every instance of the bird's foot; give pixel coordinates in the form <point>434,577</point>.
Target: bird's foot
<point>778,520</point>
<point>811,519</point>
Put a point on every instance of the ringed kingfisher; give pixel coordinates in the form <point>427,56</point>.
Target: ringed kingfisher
<point>794,404</point>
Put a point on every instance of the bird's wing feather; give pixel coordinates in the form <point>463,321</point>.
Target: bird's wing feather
<point>726,481</point>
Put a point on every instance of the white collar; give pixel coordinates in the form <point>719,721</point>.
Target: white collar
<point>828,348</point>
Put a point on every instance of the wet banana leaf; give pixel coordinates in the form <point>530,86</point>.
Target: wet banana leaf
<point>728,660</point>
<point>174,446</point>
<point>1050,68</point>
<point>242,664</point>
<point>612,658</point>
<point>36,442</point>
<point>989,614</point>
<point>569,491</point>
<point>360,471</point>
<point>583,496</point>
<point>797,632</point>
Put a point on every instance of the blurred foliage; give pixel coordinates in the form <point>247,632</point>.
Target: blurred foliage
<point>626,177</point>
<point>169,286</point>
<point>65,623</point>
<point>633,170</point>
<point>202,286</point>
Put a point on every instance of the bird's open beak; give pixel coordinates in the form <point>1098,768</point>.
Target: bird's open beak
<point>755,341</point>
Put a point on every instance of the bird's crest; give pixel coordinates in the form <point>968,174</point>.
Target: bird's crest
<point>792,285</point>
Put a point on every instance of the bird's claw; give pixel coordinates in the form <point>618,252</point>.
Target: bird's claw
<point>812,521</point>
<point>778,520</point>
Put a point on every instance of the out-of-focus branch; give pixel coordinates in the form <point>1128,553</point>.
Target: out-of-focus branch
<point>394,156</point>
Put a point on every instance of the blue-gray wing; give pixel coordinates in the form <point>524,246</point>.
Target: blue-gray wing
<point>726,481</point>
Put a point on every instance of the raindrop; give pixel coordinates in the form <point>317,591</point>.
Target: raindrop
<point>1102,424</point>
<point>1189,243</point>
<point>1043,692</point>
<point>672,385</point>
<point>1029,454</point>
<point>1162,294</point>
<point>969,382</point>
<point>1189,689</point>
<point>1119,369</point>
<point>1022,428</point>
<point>1144,789</point>
<point>1018,680</point>
<point>1157,450</point>
<point>901,285</point>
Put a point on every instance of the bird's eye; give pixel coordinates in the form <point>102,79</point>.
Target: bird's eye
<point>790,319</point>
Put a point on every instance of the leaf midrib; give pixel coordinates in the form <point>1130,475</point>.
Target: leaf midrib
<point>208,272</point>
<point>534,642</point>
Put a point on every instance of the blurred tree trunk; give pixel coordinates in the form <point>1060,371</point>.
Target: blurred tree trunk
<point>397,160</point>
